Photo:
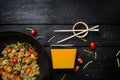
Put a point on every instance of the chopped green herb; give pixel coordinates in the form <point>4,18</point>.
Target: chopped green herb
<point>86,65</point>
<point>84,40</point>
<point>63,77</point>
<point>18,65</point>
<point>88,51</point>
<point>28,28</point>
<point>21,45</point>
<point>31,47</point>
<point>1,58</point>
<point>95,55</point>
<point>51,38</point>
<point>118,62</point>
<point>118,53</point>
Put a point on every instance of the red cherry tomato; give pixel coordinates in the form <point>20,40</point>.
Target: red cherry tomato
<point>80,60</point>
<point>14,61</point>
<point>33,32</point>
<point>92,45</point>
<point>77,68</point>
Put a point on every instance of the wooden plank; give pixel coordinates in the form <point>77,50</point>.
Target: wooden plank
<point>90,74</point>
<point>59,12</point>
<point>103,68</point>
<point>46,31</point>
<point>106,57</point>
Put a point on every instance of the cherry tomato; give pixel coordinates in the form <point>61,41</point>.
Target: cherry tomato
<point>14,61</point>
<point>33,32</point>
<point>92,45</point>
<point>77,68</point>
<point>80,60</point>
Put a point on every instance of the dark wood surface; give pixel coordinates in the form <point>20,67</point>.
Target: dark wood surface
<point>48,15</point>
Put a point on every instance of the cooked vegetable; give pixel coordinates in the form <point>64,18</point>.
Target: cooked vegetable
<point>63,76</point>
<point>19,62</point>
<point>14,61</point>
<point>28,70</point>
<point>80,60</point>
<point>28,61</point>
<point>8,69</point>
<point>17,78</point>
<point>51,38</point>
<point>1,58</point>
<point>86,65</point>
<point>118,53</point>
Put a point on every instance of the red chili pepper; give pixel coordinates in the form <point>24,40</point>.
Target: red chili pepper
<point>80,60</point>
<point>77,68</point>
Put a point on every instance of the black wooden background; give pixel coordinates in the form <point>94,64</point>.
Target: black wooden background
<point>48,15</point>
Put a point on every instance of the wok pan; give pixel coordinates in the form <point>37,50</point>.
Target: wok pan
<point>13,37</point>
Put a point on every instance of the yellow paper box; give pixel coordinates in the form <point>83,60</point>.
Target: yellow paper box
<point>63,58</point>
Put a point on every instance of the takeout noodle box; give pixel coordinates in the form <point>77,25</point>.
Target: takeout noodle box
<point>63,58</point>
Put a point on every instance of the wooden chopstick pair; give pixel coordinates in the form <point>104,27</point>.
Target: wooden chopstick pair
<point>90,29</point>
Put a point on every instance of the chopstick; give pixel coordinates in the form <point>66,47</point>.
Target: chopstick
<point>74,30</point>
<point>77,34</point>
<point>61,45</point>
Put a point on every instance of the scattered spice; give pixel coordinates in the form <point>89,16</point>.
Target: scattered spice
<point>118,62</point>
<point>118,53</point>
<point>86,65</point>
<point>63,76</point>
<point>51,39</point>
<point>88,51</point>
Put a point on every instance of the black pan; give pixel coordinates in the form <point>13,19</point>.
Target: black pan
<point>12,37</point>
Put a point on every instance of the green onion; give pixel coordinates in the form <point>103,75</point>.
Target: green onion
<point>63,77</point>
<point>118,62</point>
<point>88,51</point>
<point>18,65</point>
<point>86,65</point>
<point>118,53</point>
<point>1,58</point>
<point>22,44</point>
<point>84,40</point>
<point>51,38</point>
<point>95,55</point>
<point>31,47</point>
<point>28,28</point>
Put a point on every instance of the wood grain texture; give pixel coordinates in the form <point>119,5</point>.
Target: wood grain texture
<point>48,15</point>
<point>103,68</point>
<point>59,11</point>
<point>46,31</point>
